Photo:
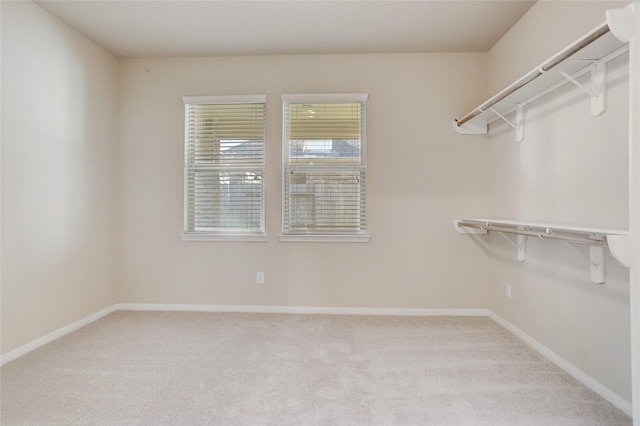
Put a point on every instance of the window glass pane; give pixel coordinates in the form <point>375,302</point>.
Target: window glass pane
<point>325,151</point>
<point>227,200</point>
<point>325,201</point>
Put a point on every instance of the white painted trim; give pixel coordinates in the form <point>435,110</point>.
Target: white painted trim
<point>222,237</point>
<point>634,208</point>
<point>23,350</point>
<point>302,310</point>
<point>231,99</point>
<point>324,98</point>
<point>569,368</point>
<point>324,238</point>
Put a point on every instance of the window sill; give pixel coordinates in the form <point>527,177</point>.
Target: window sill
<point>326,238</point>
<point>219,237</point>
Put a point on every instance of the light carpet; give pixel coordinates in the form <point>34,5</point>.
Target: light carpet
<point>197,368</point>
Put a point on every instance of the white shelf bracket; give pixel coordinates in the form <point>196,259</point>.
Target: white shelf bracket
<point>519,124</point>
<point>596,90</point>
<point>597,264</point>
<point>522,248</point>
<point>597,259</point>
<point>520,245</point>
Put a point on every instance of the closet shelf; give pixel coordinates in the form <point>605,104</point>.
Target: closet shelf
<point>598,239</point>
<point>589,53</point>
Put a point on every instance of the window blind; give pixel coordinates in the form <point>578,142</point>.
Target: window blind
<point>224,165</point>
<point>324,173</point>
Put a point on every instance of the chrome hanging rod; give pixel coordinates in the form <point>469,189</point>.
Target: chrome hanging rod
<point>549,64</point>
<point>540,234</point>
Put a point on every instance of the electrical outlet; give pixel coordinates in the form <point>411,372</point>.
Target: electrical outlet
<point>507,290</point>
<point>259,277</point>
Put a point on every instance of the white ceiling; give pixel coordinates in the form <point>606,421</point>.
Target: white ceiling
<point>152,28</point>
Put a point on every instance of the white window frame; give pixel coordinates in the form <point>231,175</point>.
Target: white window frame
<point>357,236</point>
<point>223,235</point>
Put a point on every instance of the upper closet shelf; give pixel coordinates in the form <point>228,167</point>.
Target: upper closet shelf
<point>588,54</point>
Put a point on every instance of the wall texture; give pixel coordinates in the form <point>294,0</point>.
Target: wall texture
<point>58,175</point>
<point>418,180</point>
<point>571,168</point>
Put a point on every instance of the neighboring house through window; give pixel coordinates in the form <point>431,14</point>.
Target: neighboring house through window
<point>324,168</point>
<point>224,168</point>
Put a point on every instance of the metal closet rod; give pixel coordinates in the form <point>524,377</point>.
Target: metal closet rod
<point>552,62</point>
<point>546,235</point>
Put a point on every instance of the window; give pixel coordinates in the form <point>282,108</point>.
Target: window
<point>324,168</point>
<point>224,168</point>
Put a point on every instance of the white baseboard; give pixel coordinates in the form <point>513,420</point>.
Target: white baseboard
<point>301,310</point>
<point>569,368</point>
<point>23,350</point>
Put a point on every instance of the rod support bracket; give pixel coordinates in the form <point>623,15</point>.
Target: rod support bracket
<point>518,125</point>
<point>520,113</point>
<point>522,247</point>
<point>596,90</point>
<point>597,262</point>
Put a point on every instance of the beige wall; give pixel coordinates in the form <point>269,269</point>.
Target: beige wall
<point>419,178</point>
<point>58,175</point>
<point>571,168</point>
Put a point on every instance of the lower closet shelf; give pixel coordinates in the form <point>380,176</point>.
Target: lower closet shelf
<point>598,239</point>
